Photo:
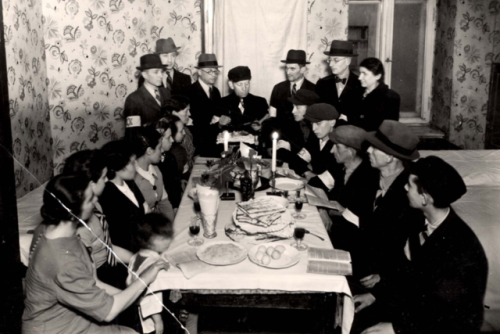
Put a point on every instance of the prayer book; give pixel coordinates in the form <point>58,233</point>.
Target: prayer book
<point>328,262</point>
<point>317,197</point>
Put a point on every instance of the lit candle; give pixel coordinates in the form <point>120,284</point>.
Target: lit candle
<point>226,141</point>
<point>273,162</point>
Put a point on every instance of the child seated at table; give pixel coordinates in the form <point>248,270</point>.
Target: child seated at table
<point>153,237</point>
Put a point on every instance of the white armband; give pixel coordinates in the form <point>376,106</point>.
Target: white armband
<point>305,155</point>
<point>327,180</point>
<point>215,119</point>
<point>350,217</point>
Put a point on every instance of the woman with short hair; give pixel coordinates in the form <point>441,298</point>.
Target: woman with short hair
<point>376,102</point>
<point>62,294</point>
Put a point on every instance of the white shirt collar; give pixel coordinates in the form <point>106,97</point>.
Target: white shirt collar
<point>151,89</point>
<point>147,174</point>
<point>298,83</point>
<point>432,227</point>
<point>205,87</point>
<point>125,189</point>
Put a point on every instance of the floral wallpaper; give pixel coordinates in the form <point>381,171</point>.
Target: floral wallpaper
<point>327,21</point>
<point>92,49</point>
<point>29,108</point>
<point>462,73</point>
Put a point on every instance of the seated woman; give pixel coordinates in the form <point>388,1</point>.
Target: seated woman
<point>178,105</point>
<point>376,102</point>
<point>168,163</point>
<point>146,144</point>
<point>122,201</point>
<point>355,188</point>
<point>91,164</point>
<point>62,295</point>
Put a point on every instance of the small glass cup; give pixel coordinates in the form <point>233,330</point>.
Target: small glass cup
<point>299,203</point>
<point>194,229</point>
<point>299,233</point>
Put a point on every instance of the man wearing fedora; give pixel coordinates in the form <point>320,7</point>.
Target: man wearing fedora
<point>355,185</point>
<point>440,288</point>
<point>314,160</point>
<point>247,111</point>
<point>385,230</point>
<point>340,88</point>
<point>148,99</point>
<point>177,83</point>
<point>294,138</point>
<point>205,100</point>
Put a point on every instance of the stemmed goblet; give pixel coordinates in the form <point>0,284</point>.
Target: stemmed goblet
<point>299,233</point>
<point>194,228</point>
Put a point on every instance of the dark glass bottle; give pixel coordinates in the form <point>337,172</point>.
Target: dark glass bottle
<point>246,186</point>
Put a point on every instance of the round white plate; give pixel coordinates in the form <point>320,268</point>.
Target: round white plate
<point>289,257</point>
<point>285,183</point>
<point>201,253</point>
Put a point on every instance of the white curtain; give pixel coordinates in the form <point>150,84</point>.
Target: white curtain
<point>258,34</point>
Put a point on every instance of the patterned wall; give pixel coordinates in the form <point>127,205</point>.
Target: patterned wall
<point>327,21</point>
<point>472,26</point>
<point>29,110</point>
<point>92,49</point>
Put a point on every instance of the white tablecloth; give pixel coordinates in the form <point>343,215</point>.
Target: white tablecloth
<point>247,275</point>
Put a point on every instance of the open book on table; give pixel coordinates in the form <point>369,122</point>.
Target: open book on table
<point>329,262</point>
<point>317,197</point>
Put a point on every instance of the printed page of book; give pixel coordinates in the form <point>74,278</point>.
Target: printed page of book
<point>324,254</point>
<point>329,268</point>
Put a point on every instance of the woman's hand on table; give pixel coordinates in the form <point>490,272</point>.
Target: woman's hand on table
<point>370,281</point>
<point>149,275</point>
<point>362,301</point>
<point>380,328</point>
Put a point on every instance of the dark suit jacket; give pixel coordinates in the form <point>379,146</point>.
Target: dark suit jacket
<point>181,84</point>
<point>381,104</point>
<point>441,290</point>
<point>256,107</point>
<point>202,111</point>
<point>326,89</point>
<point>281,93</point>
<point>142,103</point>
<point>122,215</point>
<point>171,178</point>
<point>384,231</point>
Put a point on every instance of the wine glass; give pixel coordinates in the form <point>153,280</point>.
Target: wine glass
<point>194,228</point>
<point>299,233</point>
<point>299,203</point>
<point>197,207</point>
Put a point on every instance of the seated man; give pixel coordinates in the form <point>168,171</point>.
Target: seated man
<point>247,111</point>
<point>205,100</point>
<point>147,100</point>
<point>441,288</point>
<point>355,186</point>
<point>314,161</point>
<point>294,137</point>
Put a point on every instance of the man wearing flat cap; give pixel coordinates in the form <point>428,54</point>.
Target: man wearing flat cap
<point>355,186</point>
<point>205,99</point>
<point>295,136</point>
<point>314,161</point>
<point>385,230</point>
<point>441,287</point>
<point>147,100</point>
<point>177,83</point>
<point>340,88</point>
<point>247,111</point>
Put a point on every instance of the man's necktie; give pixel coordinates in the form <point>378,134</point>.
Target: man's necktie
<point>157,96</point>
<point>294,89</point>
<point>242,106</point>
<point>107,240</point>
<point>210,94</point>
<point>169,82</point>
<point>416,242</point>
<point>337,80</point>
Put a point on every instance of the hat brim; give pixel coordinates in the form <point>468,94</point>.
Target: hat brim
<point>295,62</point>
<point>374,141</point>
<point>339,54</point>
<point>149,68</point>
<point>166,52</point>
<point>210,66</point>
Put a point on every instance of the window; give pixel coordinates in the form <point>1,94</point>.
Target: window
<point>401,34</point>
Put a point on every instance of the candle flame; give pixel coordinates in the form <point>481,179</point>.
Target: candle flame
<point>275,135</point>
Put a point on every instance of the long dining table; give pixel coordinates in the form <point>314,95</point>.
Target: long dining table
<point>246,284</point>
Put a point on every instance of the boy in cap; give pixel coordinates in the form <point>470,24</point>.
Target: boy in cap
<point>314,161</point>
<point>205,99</point>
<point>247,111</point>
<point>148,99</point>
<point>339,89</point>
<point>441,288</point>
<point>177,83</point>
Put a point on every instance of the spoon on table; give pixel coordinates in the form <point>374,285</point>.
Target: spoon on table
<point>317,236</point>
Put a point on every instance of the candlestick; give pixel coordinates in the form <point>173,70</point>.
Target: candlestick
<point>226,141</point>
<point>273,162</point>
